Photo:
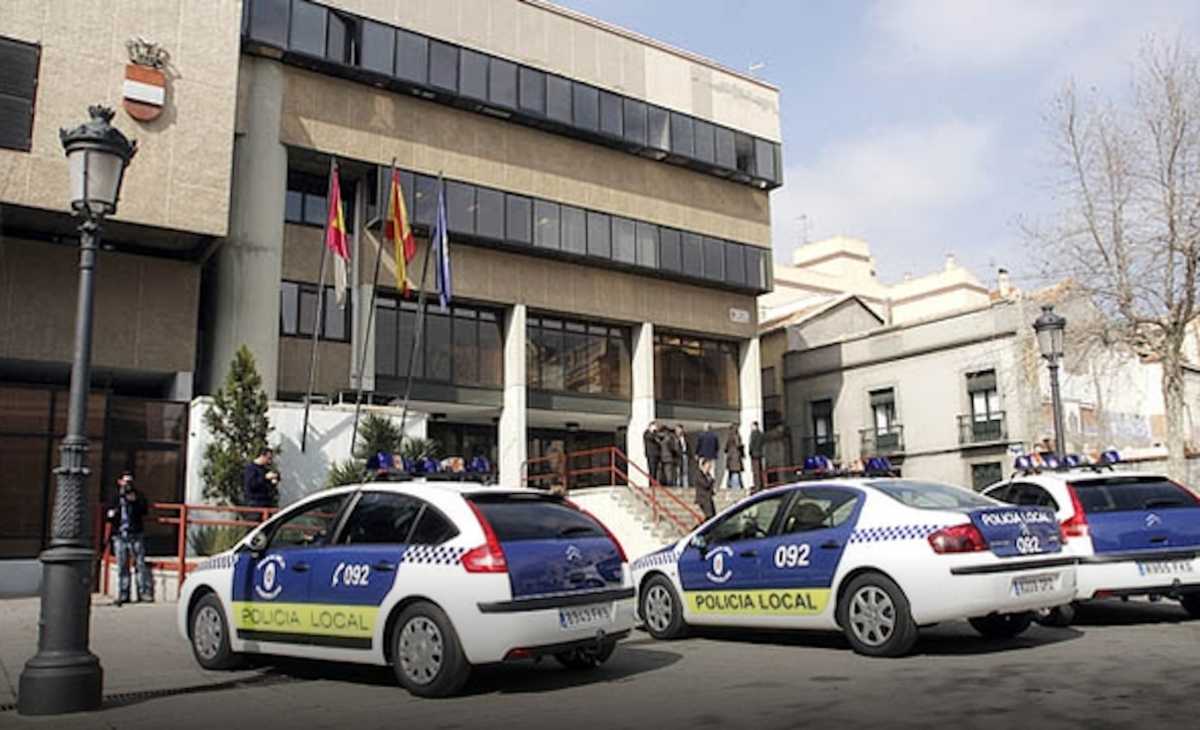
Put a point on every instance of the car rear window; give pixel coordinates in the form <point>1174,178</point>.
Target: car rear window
<point>931,495</point>
<point>1131,494</point>
<point>534,517</point>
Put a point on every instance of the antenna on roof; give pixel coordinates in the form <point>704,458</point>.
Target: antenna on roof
<point>757,66</point>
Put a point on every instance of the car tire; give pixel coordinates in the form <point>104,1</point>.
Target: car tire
<point>1002,625</point>
<point>1191,604</point>
<point>875,616</point>
<point>426,654</point>
<point>1059,617</point>
<point>661,609</point>
<point>588,658</point>
<point>209,634</point>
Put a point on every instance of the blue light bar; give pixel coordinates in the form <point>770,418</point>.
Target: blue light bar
<point>1110,457</point>
<point>817,463</point>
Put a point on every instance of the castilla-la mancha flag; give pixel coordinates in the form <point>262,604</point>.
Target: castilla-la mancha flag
<point>336,239</point>
<point>397,231</point>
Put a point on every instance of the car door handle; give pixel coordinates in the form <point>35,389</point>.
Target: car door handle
<point>300,567</point>
<point>830,545</point>
<point>1159,539</point>
<point>383,566</point>
<point>749,553</point>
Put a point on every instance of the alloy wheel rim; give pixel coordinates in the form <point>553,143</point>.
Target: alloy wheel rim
<point>421,650</point>
<point>207,632</point>
<point>872,616</point>
<point>658,608</point>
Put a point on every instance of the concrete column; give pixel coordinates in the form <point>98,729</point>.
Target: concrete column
<point>750,385</point>
<point>250,262</point>
<point>514,445</point>
<point>642,408</point>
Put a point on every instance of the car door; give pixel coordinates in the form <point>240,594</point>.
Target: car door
<point>805,553</point>
<point>720,572</point>
<point>351,577</point>
<point>271,589</point>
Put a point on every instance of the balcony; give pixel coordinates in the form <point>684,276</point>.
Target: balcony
<point>826,446</point>
<point>974,431</point>
<point>882,442</point>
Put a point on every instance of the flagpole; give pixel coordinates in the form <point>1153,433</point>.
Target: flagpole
<point>319,317</point>
<point>420,325</point>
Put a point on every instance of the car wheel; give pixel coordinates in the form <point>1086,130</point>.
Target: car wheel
<point>1058,617</point>
<point>588,658</point>
<point>1002,625</point>
<point>426,654</point>
<point>874,614</point>
<point>661,610</point>
<point>210,635</point>
<point>1191,604</point>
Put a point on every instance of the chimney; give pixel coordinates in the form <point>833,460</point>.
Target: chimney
<point>951,263</point>
<point>1003,283</point>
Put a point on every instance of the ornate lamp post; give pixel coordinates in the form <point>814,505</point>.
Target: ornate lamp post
<point>64,676</point>
<point>1049,328</point>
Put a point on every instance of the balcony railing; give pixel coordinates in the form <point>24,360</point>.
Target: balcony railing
<point>882,442</point>
<point>826,446</point>
<point>982,430</point>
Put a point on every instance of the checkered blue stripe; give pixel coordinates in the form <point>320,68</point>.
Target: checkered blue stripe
<point>432,554</point>
<point>218,562</point>
<point>893,532</point>
<point>654,560</point>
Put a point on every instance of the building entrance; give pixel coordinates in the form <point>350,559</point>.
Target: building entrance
<point>545,442</point>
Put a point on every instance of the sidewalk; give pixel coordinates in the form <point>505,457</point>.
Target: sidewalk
<point>138,645</point>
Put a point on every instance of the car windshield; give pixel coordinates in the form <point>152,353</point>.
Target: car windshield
<point>1131,494</point>
<point>931,495</point>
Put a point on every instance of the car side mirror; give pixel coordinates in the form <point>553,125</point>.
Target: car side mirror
<point>700,542</point>
<point>257,543</point>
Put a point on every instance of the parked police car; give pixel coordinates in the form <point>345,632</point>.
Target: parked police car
<point>431,578</point>
<point>874,557</point>
<point>1133,533</point>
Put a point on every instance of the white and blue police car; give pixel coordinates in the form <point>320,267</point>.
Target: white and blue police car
<point>429,577</point>
<point>1132,533</point>
<point>873,556</point>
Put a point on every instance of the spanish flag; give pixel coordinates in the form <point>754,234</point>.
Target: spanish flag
<point>336,239</point>
<point>397,231</point>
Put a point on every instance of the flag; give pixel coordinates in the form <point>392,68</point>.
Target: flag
<point>439,243</point>
<point>336,239</point>
<point>397,231</point>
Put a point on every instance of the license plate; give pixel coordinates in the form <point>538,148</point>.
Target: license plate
<point>579,617</point>
<point>1166,567</point>
<point>1031,584</point>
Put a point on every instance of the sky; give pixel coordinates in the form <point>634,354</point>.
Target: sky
<point>917,125</point>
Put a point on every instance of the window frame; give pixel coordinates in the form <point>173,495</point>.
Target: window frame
<point>302,288</point>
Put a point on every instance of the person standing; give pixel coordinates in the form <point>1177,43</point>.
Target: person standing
<point>707,449</point>
<point>704,494</point>
<point>685,462</point>
<point>669,447</point>
<point>734,454</point>
<point>126,514</point>
<point>653,449</point>
<point>260,482</point>
<point>757,444</point>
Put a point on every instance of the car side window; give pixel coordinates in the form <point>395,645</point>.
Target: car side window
<point>433,528</point>
<point>381,517</point>
<point>748,523</point>
<point>1002,493</point>
<point>312,526</point>
<point>1032,495</point>
<point>816,508</point>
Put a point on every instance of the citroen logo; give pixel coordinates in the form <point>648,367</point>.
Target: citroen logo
<point>574,555</point>
<point>1153,520</point>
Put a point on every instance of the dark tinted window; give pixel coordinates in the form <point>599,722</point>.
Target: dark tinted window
<point>1132,494</point>
<point>658,128</point>
<point>558,99</point>
<point>743,147</point>
<point>1030,495</point>
<point>587,107</point>
<point>519,221</point>
<point>764,159</point>
<point>735,264</point>
<point>533,90</point>
<point>309,526</point>
<point>489,215</point>
<point>635,121</point>
<point>714,259</point>
<point>599,235</point>
<point>339,42</point>
<point>425,203</point>
<point>669,256</point>
<point>706,142</point>
<point>647,245</point>
<point>378,47</point>
<point>756,274</point>
<point>545,224</point>
<point>624,246</point>
<point>693,255</point>
<point>682,135</point>
<point>432,528</point>
<point>473,74</point>
<point>726,154</point>
<point>412,57</point>
<point>610,114</point>
<point>814,508</point>
<point>268,22</point>
<point>535,518</point>
<point>930,495</point>
<point>748,523</point>
<point>381,517</point>
<point>574,230</point>
<point>307,33</point>
<point>502,83</point>
<point>460,207</point>
<point>443,65</point>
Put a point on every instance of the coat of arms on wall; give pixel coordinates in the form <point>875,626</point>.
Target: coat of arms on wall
<point>145,88</point>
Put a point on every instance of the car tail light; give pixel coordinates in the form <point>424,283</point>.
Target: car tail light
<point>957,539</point>
<point>1076,525</point>
<point>488,557</point>
<point>611,536</point>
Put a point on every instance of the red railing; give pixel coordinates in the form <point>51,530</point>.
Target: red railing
<point>782,475</point>
<point>183,516</point>
<point>621,472</point>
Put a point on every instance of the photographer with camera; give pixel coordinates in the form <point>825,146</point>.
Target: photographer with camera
<point>125,514</point>
<point>260,482</point>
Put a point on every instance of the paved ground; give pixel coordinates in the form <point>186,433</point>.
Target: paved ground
<point>1123,665</point>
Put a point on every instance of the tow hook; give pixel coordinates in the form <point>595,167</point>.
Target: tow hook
<point>599,639</point>
<point>1175,593</point>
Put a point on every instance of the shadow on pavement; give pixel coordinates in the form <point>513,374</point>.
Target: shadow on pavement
<point>126,699</point>
<point>1115,612</point>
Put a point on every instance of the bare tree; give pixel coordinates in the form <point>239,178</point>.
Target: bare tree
<point>1128,231</point>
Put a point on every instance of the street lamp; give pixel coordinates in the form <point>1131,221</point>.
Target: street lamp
<point>1049,328</point>
<point>64,676</point>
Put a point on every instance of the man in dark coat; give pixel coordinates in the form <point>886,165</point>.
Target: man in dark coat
<point>653,451</point>
<point>708,446</point>
<point>260,481</point>
<point>704,494</point>
<point>126,514</point>
<point>669,449</point>
<point>757,443</point>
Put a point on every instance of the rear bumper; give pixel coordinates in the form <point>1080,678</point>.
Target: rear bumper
<point>564,601</point>
<point>489,636</point>
<point>972,591</point>
<point>594,642</point>
<point>1142,573</point>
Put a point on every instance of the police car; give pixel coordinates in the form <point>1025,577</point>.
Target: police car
<point>431,578</point>
<point>876,557</point>
<point>1133,533</point>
